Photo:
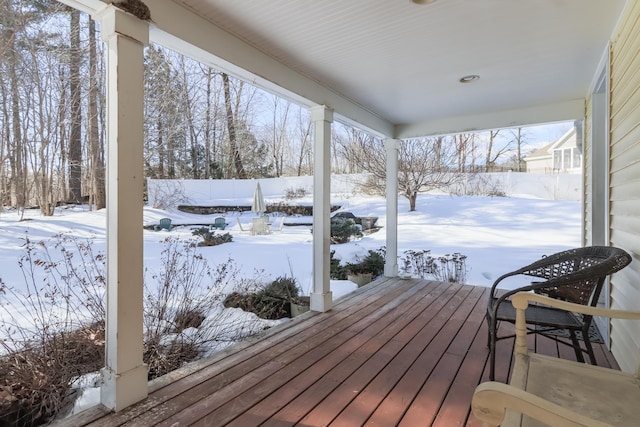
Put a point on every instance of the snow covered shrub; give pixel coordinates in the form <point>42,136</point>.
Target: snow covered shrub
<point>336,269</point>
<point>343,230</point>
<point>210,238</point>
<point>178,298</point>
<point>452,268</point>
<point>478,185</point>
<point>52,328</point>
<point>294,193</point>
<point>270,302</point>
<point>372,263</point>
<point>447,268</point>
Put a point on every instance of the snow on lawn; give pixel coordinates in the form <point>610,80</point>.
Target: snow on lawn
<point>497,234</point>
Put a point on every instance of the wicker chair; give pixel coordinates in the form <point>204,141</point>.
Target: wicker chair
<point>577,276</point>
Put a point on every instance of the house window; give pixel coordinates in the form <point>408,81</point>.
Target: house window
<point>577,158</point>
<point>566,159</point>
<point>557,160</point>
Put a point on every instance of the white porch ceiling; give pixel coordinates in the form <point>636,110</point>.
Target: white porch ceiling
<point>402,61</point>
<point>394,66</point>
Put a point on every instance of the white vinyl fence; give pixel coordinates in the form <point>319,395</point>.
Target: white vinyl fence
<point>165,193</point>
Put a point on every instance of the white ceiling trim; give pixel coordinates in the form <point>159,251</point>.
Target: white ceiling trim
<point>562,111</point>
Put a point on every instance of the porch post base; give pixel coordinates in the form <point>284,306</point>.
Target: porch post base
<point>321,302</point>
<point>390,270</point>
<point>121,390</point>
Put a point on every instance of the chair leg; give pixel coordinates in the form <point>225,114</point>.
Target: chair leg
<point>587,344</point>
<point>492,349</point>
<point>576,346</point>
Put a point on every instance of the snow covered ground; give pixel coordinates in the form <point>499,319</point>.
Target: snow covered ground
<point>497,234</point>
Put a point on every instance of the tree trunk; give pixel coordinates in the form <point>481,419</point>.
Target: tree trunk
<point>207,128</point>
<point>519,149</point>
<point>161,150</point>
<point>412,201</point>
<point>487,162</point>
<point>4,139</point>
<point>231,126</point>
<point>16,158</point>
<point>97,159</point>
<point>75,136</point>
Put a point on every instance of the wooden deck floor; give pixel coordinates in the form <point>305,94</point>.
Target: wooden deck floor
<point>397,352</point>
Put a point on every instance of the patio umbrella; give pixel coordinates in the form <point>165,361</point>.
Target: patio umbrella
<point>258,205</point>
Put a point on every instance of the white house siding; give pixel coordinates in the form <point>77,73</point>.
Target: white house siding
<point>540,164</point>
<point>586,164</point>
<point>624,186</point>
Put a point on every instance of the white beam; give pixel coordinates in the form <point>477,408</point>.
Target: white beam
<point>391,259</point>
<point>539,114</point>
<point>124,374</point>
<point>88,6</point>
<point>321,117</point>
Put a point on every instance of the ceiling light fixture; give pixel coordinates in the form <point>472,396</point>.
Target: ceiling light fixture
<point>423,1</point>
<point>470,78</point>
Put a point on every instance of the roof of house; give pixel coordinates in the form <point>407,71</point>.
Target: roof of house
<point>547,151</point>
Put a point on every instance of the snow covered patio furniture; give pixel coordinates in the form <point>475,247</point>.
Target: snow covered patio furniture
<point>559,392</point>
<point>164,224</point>
<point>277,225</point>
<point>242,227</point>
<point>577,276</point>
<point>260,225</point>
<point>219,223</point>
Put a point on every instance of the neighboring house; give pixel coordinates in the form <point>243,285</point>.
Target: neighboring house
<point>561,156</point>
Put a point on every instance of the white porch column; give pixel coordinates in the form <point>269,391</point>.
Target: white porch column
<point>322,117</point>
<point>124,375</point>
<point>391,259</point>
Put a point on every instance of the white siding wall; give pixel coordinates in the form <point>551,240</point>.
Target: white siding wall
<point>586,162</point>
<point>624,167</point>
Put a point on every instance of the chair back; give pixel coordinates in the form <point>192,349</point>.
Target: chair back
<point>220,223</point>
<point>577,275</point>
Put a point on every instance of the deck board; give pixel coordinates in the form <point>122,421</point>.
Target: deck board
<point>396,352</point>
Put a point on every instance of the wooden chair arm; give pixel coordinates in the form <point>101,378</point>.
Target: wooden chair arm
<point>521,300</point>
<point>492,399</point>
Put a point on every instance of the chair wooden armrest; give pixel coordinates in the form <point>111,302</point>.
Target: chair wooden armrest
<point>521,301</point>
<point>492,400</point>
<point>559,392</point>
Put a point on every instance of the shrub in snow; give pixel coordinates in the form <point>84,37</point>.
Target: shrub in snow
<point>52,331</point>
<point>447,268</point>
<point>210,238</point>
<point>343,230</point>
<point>270,302</point>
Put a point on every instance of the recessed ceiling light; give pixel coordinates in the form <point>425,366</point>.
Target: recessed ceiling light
<point>470,78</point>
<point>423,1</point>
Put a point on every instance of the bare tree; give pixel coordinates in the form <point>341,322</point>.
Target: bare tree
<point>231,127</point>
<point>75,135</point>
<point>493,154</point>
<point>424,164</point>
<point>465,147</point>
<point>519,139</point>
<point>98,192</point>
<point>303,130</point>
<point>12,24</point>
<point>278,130</point>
